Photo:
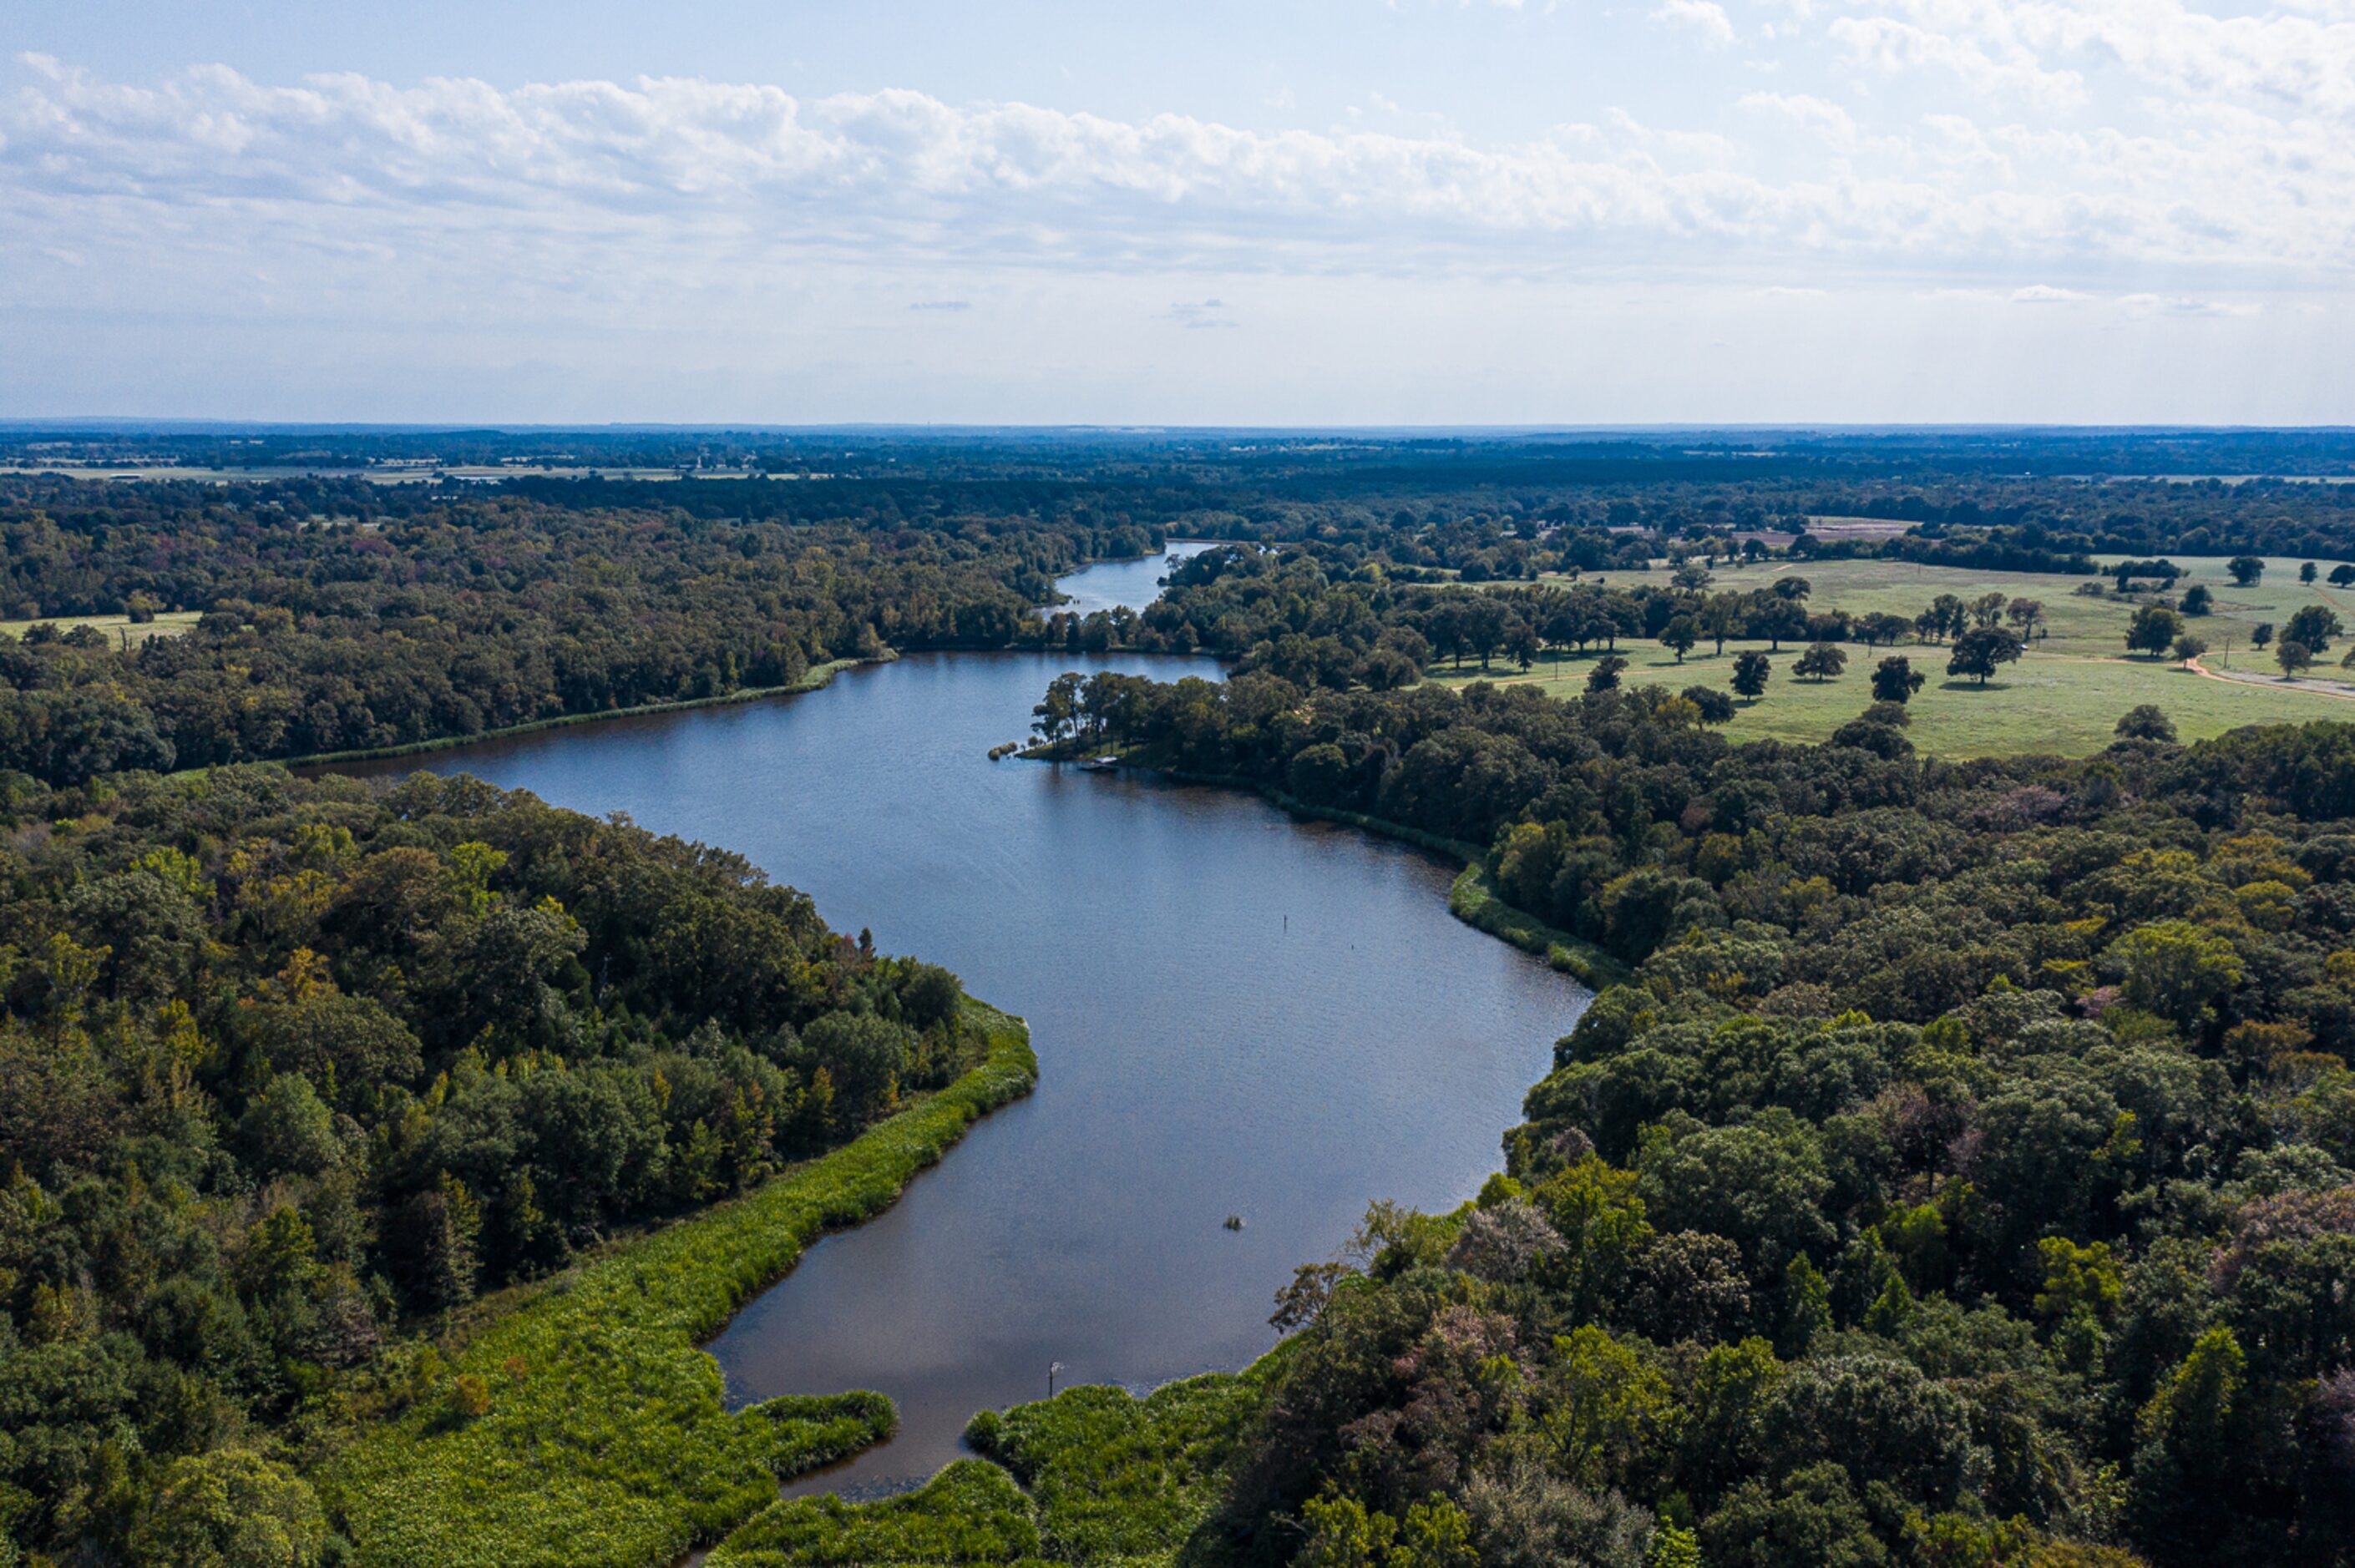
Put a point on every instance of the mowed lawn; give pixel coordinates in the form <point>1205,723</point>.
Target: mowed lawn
<point>2064,697</point>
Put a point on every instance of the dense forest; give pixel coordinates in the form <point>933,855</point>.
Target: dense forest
<point>1962,1176</point>
<point>341,616</point>
<point>290,1068</point>
<point>1965,1171</point>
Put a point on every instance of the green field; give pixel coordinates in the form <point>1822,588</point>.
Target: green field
<point>2064,695</point>
<point>167,623</point>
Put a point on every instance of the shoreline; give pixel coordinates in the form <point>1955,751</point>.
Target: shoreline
<point>608,1440</point>
<point>819,677</point>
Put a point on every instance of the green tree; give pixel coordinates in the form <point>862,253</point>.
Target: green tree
<point>1894,680</point>
<point>288,1130</point>
<point>1761,1185</point>
<point>1978,651</point>
<point>2077,1279</point>
<point>1673,1548</point>
<point>1751,670</point>
<point>1059,710</point>
<point>1812,1520</point>
<point>1521,642</point>
<point>1880,627</point>
<point>1723,616</point>
<point>1776,619</point>
<point>2295,658</point>
<point>2314,625</point>
<point>230,1509</point>
<point>1605,675</point>
<point>1605,1411</point>
<point>1435,1534</point>
<point>1680,634</point>
<point>2174,968</point>
<point>1821,662</point>
<point>2153,629</point>
<point>2245,570</point>
<point>1714,705</point>
<point>1343,1534</point>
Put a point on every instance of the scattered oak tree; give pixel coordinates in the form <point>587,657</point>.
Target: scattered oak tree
<point>1821,662</point>
<point>1978,651</point>
<point>1751,671</point>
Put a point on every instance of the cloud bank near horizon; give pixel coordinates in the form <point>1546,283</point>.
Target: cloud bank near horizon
<point>2141,159</point>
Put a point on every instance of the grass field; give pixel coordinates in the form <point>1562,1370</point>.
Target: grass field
<point>168,623</point>
<point>2064,696</point>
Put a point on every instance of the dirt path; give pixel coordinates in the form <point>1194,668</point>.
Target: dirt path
<point>2249,678</point>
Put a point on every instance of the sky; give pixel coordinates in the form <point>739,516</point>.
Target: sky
<point>1285,212</point>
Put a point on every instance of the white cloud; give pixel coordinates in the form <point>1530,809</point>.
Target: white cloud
<point>2182,167</point>
<point>1705,20</point>
<point>346,164</point>
<point>2176,305</point>
<point>2044,49</point>
<point>1827,120</point>
<point>1994,64</point>
<point>1196,315</point>
<point>2222,167</point>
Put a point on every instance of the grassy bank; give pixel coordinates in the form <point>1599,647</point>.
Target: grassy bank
<point>1475,901</point>
<point>819,676</point>
<point>1092,1476</point>
<point>605,1442</point>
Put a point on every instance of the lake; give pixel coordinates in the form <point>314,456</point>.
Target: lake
<point>1114,583</point>
<point>1235,1013</point>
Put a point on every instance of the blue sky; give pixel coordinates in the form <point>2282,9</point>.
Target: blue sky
<point>1334,211</point>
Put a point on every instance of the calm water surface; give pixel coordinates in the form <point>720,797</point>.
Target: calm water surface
<point>1235,1013</point>
<point>1133,583</point>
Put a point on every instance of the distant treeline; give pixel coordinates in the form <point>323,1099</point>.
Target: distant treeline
<point>411,618</point>
<point>1282,611</point>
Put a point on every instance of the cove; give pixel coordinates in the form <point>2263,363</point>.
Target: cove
<point>1235,1013</point>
